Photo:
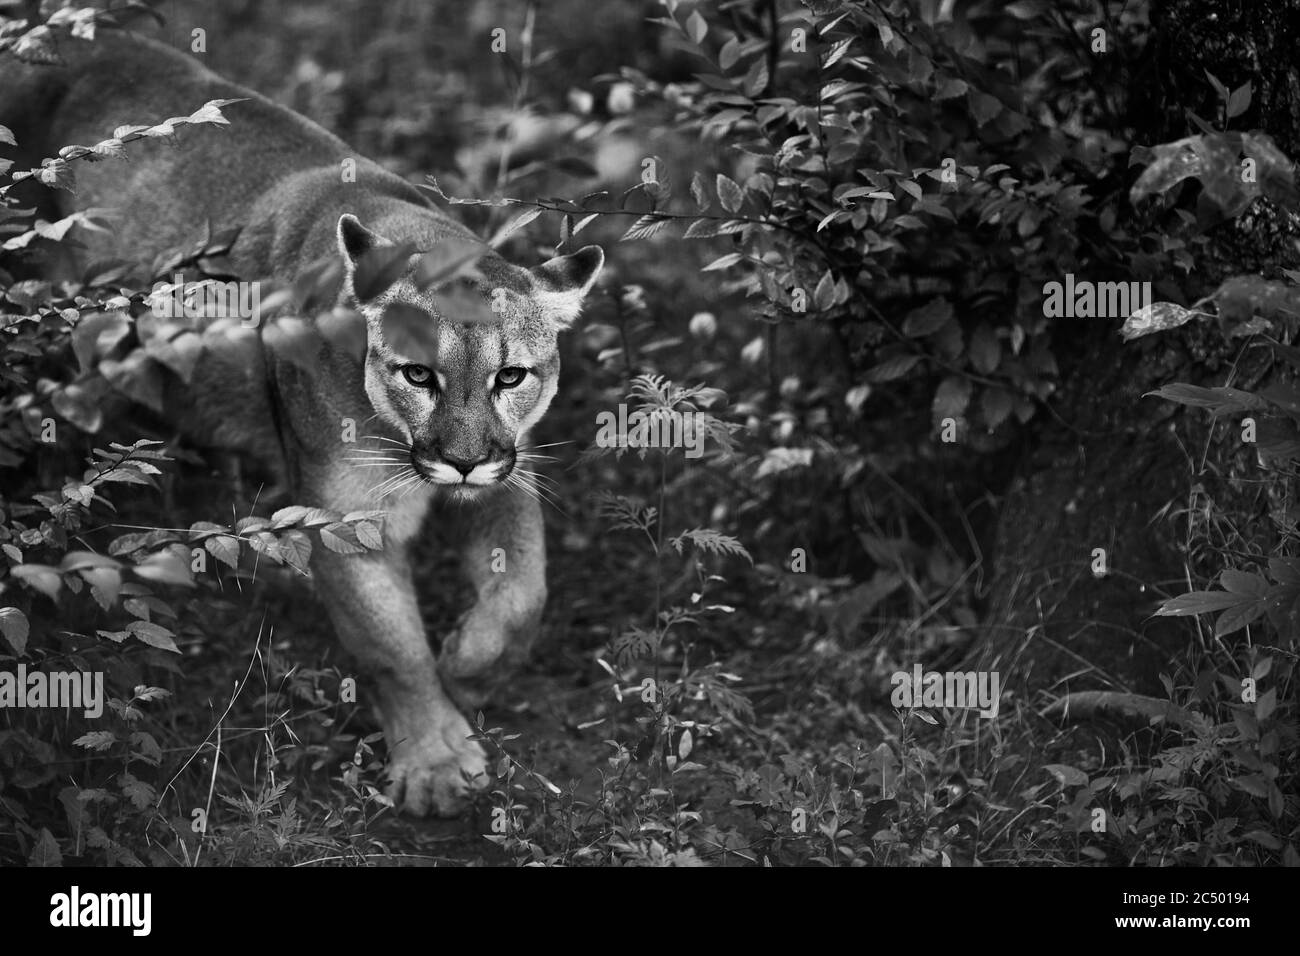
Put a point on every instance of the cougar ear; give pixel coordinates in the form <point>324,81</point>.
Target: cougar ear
<point>563,282</point>
<point>355,240</point>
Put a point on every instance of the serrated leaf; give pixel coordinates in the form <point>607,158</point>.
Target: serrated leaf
<point>294,547</point>
<point>99,740</point>
<point>289,516</point>
<point>723,262</point>
<point>711,541</point>
<point>225,549</point>
<point>700,191</point>
<point>155,635</point>
<point>264,542</point>
<point>645,227</point>
<point>513,226</point>
<point>1156,317</point>
<point>730,194</point>
<point>368,535</point>
<point>318,516</point>
<point>340,539</point>
<point>140,794</point>
<point>45,852</point>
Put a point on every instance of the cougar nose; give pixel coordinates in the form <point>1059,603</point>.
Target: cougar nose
<point>463,465</point>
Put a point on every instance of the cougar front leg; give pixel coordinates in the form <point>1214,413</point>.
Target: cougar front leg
<point>503,552</point>
<point>371,599</point>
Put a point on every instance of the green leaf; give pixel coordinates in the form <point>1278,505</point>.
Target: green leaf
<point>264,542</point>
<point>951,397</point>
<point>289,516</point>
<point>1170,164</point>
<point>99,740</point>
<point>645,227</point>
<point>995,405</point>
<point>1266,704</point>
<point>727,56</point>
<point>697,28</point>
<point>210,112</point>
<point>730,193</point>
<point>927,318</point>
<point>985,349</point>
<point>778,460</point>
<point>837,51</point>
<point>723,262</point>
<point>1223,401</point>
<point>1066,775</point>
<point>340,539</point>
<point>983,107</point>
<point>14,627</point>
<point>1245,583</point>
<point>894,367</point>
<point>155,635</point>
<point>41,577</point>
<point>46,851</point>
<point>1239,101</point>
<point>1199,602</point>
<point>295,548</point>
<point>140,794</point>
<point>368,535</point>
<point>316,517</point>
<point>225,549</point>
<point>1157,317</point>
<point>824,294</point>
<point>165,568</point>
<point>714,542</point>
<point>379,268</point>
<point>513,226</point>
<point>1253,784</point>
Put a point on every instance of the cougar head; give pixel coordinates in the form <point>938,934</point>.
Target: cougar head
<point>463,371</point>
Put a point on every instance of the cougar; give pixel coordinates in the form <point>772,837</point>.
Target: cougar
<point>453,421</point>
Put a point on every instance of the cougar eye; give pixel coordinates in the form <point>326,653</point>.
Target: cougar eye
<point>418,375</point>
<point>510,377</point>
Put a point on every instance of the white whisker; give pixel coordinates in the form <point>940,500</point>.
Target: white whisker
<point>392,441</point>
<point>525,482</point>
<point>388,484</point>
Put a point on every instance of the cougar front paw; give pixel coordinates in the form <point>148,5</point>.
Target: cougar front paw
<point>481,651</point>
<point>429,776</point>
<point>471,665</point>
